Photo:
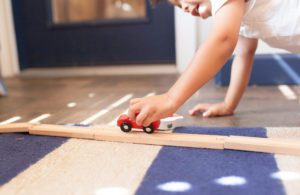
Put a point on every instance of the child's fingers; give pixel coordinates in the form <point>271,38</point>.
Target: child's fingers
<point>148,120</point>
<point>199,108</point>
<point>131,114</point>
<point>133,109</point>
<point>142,116</point>
<point>213,112</point>
<point>208,113</point>
<point>195,111</point>
<point>134,101</point>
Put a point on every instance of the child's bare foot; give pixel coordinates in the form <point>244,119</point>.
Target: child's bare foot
<point>211,110</point>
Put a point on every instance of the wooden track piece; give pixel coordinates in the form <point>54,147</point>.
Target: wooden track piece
<point>166,139</point>
<point>105,134</point>
<point>62,131</point>
<point>269,145</point>
<point>15,127</point>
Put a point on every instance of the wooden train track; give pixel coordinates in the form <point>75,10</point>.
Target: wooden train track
<point>106,133</point>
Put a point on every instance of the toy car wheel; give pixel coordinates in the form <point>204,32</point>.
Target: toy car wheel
<point>148,129</point>
<point>125,127</point>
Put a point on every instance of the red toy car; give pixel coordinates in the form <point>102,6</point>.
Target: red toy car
<point>126,125</point>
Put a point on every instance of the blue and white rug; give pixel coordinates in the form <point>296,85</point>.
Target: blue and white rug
<point>172,170</point>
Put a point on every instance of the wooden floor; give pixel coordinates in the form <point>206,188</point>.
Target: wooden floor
<point>70,169</point>
<point>74,99</point>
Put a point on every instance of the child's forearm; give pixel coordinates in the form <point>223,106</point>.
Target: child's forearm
<point>208,60</point>
<point>240,74</point>
<point>240,71</point>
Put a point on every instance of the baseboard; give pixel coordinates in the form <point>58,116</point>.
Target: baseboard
<point>104,70</point>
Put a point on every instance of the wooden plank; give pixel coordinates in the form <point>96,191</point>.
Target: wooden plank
<point>269,145</point>
<point>166,139</point>
<point>62,131</point>
<point>15,127</point>
<point>138,137</point>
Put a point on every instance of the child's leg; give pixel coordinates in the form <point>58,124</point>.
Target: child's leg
<point>240,74</point>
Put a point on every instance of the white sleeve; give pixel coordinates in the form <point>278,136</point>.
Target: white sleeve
<point>216,5</point>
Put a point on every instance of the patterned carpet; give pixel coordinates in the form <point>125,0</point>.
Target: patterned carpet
<point>47,165</point>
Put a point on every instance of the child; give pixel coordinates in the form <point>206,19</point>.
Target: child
<point>238,24</point>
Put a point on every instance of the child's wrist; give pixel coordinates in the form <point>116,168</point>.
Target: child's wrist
<point>174,102</point>
<point>230,107</point>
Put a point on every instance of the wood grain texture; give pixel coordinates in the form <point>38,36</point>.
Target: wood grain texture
<point>15,127</point>
<point>62,131</point>
<point>269,145</point>
<point>164,139</point>
<point>27,99</point>
<point>255,144</point>
<point>137,137</point>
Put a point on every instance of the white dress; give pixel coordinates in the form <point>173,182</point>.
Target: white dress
<point>276,22</point>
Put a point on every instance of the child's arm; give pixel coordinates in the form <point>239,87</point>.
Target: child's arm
<point>240,74</point>
<point>207,61</point>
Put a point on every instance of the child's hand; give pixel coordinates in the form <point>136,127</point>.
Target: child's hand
<point>212,110</point>
<point>151,108</point>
